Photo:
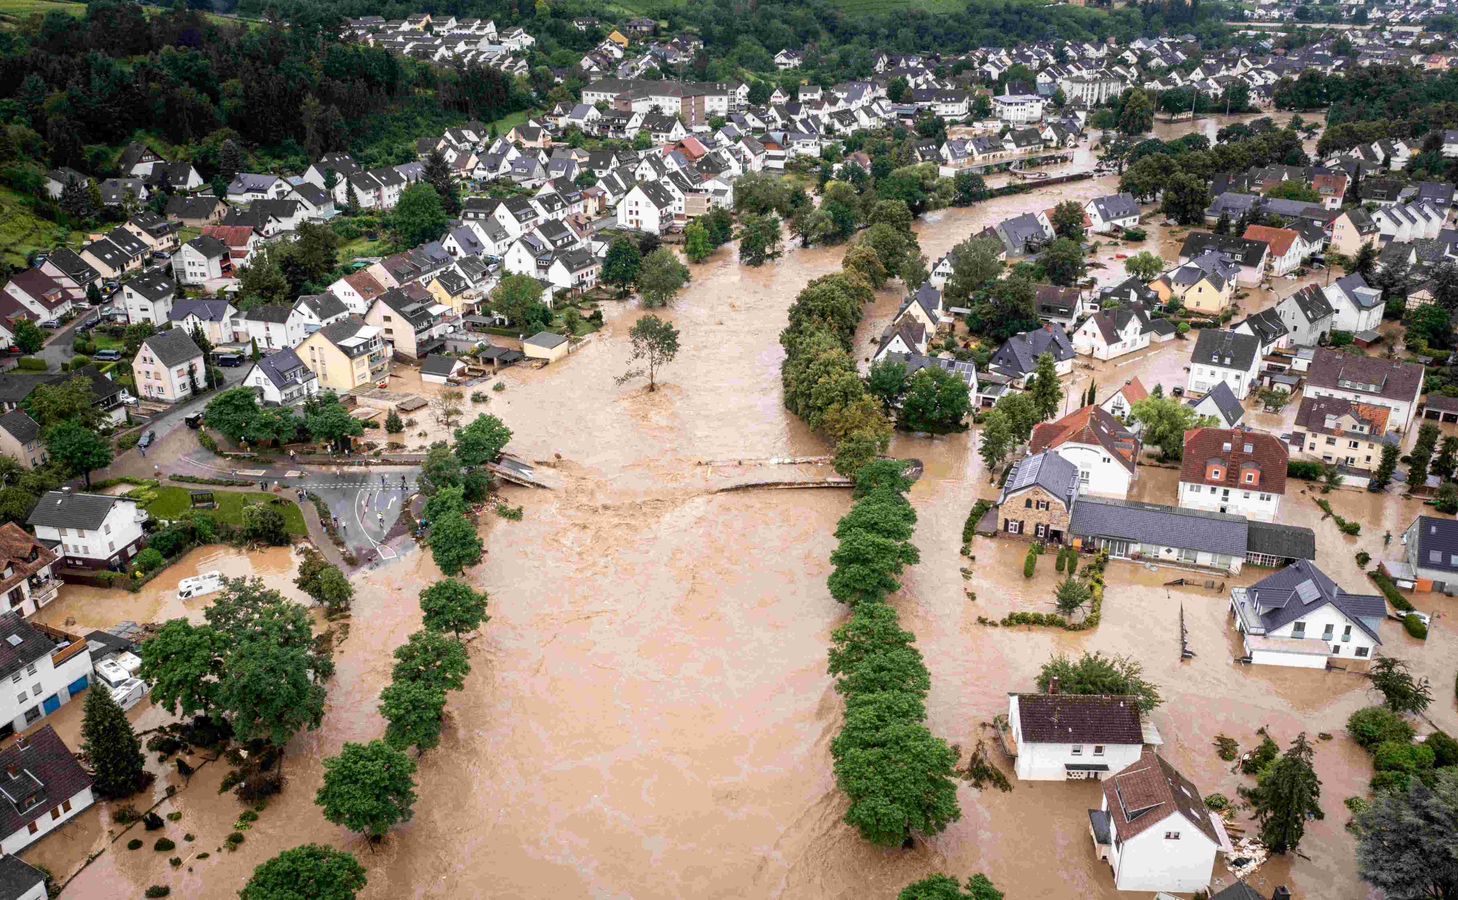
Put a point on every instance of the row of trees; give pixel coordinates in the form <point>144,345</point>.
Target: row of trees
<point>453,478</point>
<point>1010,423</point>
<point>899,777</point>
<point>237,415</point>
<point>658,276</point>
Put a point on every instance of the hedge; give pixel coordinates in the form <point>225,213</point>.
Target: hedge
<point>1094,572</point>
<point>969,527</point>
<point>31,364</point>
<point>1415,627</point>
<point>1390,591</point>
<point>1306,471</point>
<point>216,482</point>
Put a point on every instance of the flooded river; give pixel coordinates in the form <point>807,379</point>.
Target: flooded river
<point>649,714</point>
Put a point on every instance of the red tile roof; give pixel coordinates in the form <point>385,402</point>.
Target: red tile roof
<point>1079,719</point>
<point>1279,239</point>
<point>1090,425</point>
<point>1148,792</point>
<point>1236,449</point>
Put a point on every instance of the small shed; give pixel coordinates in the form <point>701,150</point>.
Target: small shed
<point>545,345</point>
<point>439,369</point>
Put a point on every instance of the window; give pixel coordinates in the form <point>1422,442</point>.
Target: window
<point>55,813</point>
<point>1362,651</point>
<point>32,714</point>
<point>1298,630</point>
<point>66,806</point>
<point>1326,632</point>
<point>1098,749</point>
<point>1028,503</point>
<point>1077,749</point>
<point>1171,835</point>
<point>32,828</point>
<point>15,679</point>
<point>22,697</point>
<point>30,669</point>
<point>1346,634</point>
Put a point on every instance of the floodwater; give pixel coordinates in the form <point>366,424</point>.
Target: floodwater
<point>649,714</point>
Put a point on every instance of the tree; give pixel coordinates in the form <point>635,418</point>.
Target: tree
<point>936,401</point>
<point>263,524</point>
<point>262,283</point>
<point>112,750</point>
<point>270,691</point>
<point>1045,390</point>
<point>944,887</point>
<point>418,217</point>
<point>519,299</point>
<point>324,582</point>
<point>1063,262</point>
<point>968,187</point>
<point>1432,324</point>
<point>975,265</point>
<point>1094,673</point>
<point>661,277</point>
<point>696,243</point>
<point>901,786</point>
<point>1386,468</point>
<point>454,606</point>
<point>448,407</point>
<point>77,449</point>
<point>180,662</point>
<point>413,711</point>
<point>310,872</point>
<point>1364,262</point>
<point>997,440</point>
<point>328,422</point>
<point>432,658</point>
<point>233,413</point>
<point>72,400</point>
<point>1137,115</point>
<point>28,336</point>
<point>1144,266</point>
<point>1287,794</point>
<point>621,265</point>
<point>1186,198</point>
<point>1407,841</point>
<point>393,425</point>
<point>1165,422</point>
<point>865,261</point>
<point>654,341</point>
<point>887,382</point>
<point>437,174</point>
<point>1421,456</point>
<point>1072,595</point>
<point>1067,220</point>
<point>454,544</point>
<point>368,788</point>
<point>1401,692</point>
<point>759,239</point>
<point>1009,309</point>
<point>482,441</point>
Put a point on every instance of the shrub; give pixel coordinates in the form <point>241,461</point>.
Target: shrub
<point>1401,756</point>
<point>1306,471</point>
<point>1378,725</point>
<point>1349,527</point>
<point>1135,235</point>
<point>158,890</point>
<point>149,560</point>
<point>175,861</point>
<point>1226,748</point>
<point>164,845</point>
<point>128,441</point>
<point>1390,591</point>
<point>1182,328</point>
<point>1058,563</point>
<point>1261,756</point>
<point>1415,627</point>
<point>233,840</point>
<point>1072,562</point>
<point>125,814</point>
<point>1363,557</point>
<point>134,844</point>
<point>31,364</point>
<point>80,362</point>
<point>1030,563</point>
<point>1217,802</point>
<point>1445,749</point>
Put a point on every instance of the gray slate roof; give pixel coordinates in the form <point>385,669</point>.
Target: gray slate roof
<point>20,426</point>
<point>1047,470</point>
<point>1440,537</point>
<point>1164,526</point>
<point>1225,401</point>
<point>1226,349</point>
<point>60,509</point>
<point>16,878</point>
<point>1284,541</point>
<point>1301,588</point>
<point>172,346</point>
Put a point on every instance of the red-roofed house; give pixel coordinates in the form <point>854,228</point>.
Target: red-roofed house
<point>240,240</point>
<point>1287,247</point>
<point>1154,829</point>
<point>1105,452</point>
<point>42,295</point>
<point>42,786</point>
<point>1332,188</point>
<point>1121,402</point>
<point>1234,471</point>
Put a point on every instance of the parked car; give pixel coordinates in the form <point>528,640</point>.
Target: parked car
<point>1177,391</point>
<point>194,420</point>
<point>228,359</point>
<point>107,355</point>
<point>51,323</point>
<point>148,437</point>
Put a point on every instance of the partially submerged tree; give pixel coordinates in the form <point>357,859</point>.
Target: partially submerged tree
<point>655,343</point>
<point>1095,673</point>
<point>368,788</point>
<point>1287,795</point>
<point>310,872</point>
<point>111,747</point>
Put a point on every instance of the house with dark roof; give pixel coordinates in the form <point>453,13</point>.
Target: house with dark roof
<point>1307,315</point>
<point>1154,830</point>
<point>1112,214</point>
<point>169,367</point>
<point>1341,433</point>
<point>1300,617</point>
<point>1429,560</point>
<point>20,439</point>
<point>1073,737</point>
<point>1113,332</point>
<point>200,260</point>
<point>1017,358</point>
<point>1356,306</point>
<point>1265,326</point>
<point>1037,497</point>
<point>1220,404</point>
<point>42,786</point>
<point>20,881</point>
<point>1249,255</point>
<point>1393,384</point>
<point>282,379</point>
<point>1059,305</point>
<point>149,297</point>
<point>1154,533</point>
<point>89,531</point>
<point>1105,452</point>
<point>1233,470</point>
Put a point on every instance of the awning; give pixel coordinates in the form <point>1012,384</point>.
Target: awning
<point>1098,820</point>
<point>1085,767</point>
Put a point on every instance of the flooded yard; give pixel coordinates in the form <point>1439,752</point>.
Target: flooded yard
<point>649,713</point>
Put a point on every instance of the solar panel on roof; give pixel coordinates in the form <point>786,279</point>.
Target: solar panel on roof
<point>1307,591</point>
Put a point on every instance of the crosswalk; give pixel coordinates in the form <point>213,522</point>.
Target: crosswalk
<point>292,484</point>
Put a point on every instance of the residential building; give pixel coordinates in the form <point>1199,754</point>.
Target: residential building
<point>1019,109</point>
<point>1287,249</point>
<point>89,531</point>
<point>1299,617</point>
<point>1112,214</point>
<point>345,355</point>
<point>1235,471</point>
<point>1072,737</point>
<point>214,318</point>
<point>410,321</point>
<point>1342,433</point>
<point>1154,830</point>
<point>201,260</point>
<point>1059,305</point>
<point>1352,229</point>
<point>1393,384</point>
<point>148,298</point>
<point>1430,556</point>
<point>546,345</point>
<point>1112,333</point>
<point>1018,357</point>
<point>20,439</point>
<point>1038,496</point>
<point>1356,307</point>
<point>1120,403</point>
<point>1105,452</point>
<point>1149,532</point>
<point>1205,284</point>
<point>1220,405</point>
<point>169,367</point>
<point>42,296</point>
<point>40,777</point>
<point>1224,356</point>
<point>647,207</point>
<point>270,327</point>
<point>20,881</point>
<point>27,571</point>
<point>1267,328</point>
<point>1249,255</point>
<point>282,379</point>
<point>1307,315</point>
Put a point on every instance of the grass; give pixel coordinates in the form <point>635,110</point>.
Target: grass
<point>361,246</point>
<point>13,12</point>
<point>172,502</point>
<point>22,232</point>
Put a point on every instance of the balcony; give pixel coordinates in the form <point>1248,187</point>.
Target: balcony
<point>44,590</point>
<point>1246,612</point>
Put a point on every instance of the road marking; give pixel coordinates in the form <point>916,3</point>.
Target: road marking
<point>251,473</point>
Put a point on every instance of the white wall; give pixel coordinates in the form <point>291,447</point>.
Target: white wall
<point>1149,862</point>
<point>1252,504</point>
<point>1316,624</point>
<point>14,843</point>
<point>1203,378</point>
<point>1099,472</point>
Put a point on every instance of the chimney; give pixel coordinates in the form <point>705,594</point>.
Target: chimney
<point>1053,685</point>
<point>1282,893</point>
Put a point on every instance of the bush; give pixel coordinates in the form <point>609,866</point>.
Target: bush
<point>149,561</point>
<point>1401,756</point>
<point>1058,563</point>
<point>128,441</point>
<point>80,362</point>
<point>1390,591</point>
<point>1445,749</point>
<point>158,890</point>
<point>1217,802</point>
<point>164,845</point>
<point>1261,756</point>
<point>1363,557</point>
<point>1349,527</point>
<point>134,844</point>
<point>31,364</point>
<point>1183,328</point>
<point>1415,627</point>
<point>1306,471</point>
<point>1030,563</point>
<point>1135,235</point>
<point>1378,725</point>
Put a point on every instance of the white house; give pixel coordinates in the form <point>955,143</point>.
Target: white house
<point>1299,617</point>
<point>27,569</point>
<point>1105,452</point>
<point>1072,737</point>
<point>24,882</point>
<point>1224,356</point>
<point>1154,831</point>
<point>45,785</point>
<point>1356,307</point>
<point>1307,315</point>
<point>647,207</point>
<point>1120,403</point>
<point>89,531</point>
<point>169,366</point>
<point>282,379</point>
<point>200,260</point>
<point>1112,214</point>
<point>1234,471</point>
<point>1018,108</point>
<point>270,327</point>
<point>1113,333</point>
<point>1388,383</point>
<point>148,298</point>
<point>46,667</point>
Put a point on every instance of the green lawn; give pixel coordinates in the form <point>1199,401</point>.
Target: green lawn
<point>22,232</point>
<point>361,246</point>
<point>171,502</point>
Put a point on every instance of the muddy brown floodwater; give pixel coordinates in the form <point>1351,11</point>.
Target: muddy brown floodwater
<point>649,714</point>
